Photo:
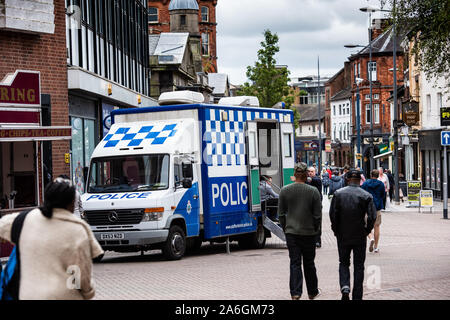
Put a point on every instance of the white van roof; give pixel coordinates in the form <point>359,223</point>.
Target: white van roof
<point>247,101</point>
<point>181,97</point>
<point>162,136</point>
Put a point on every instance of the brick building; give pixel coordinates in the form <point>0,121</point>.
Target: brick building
<point>382,85</point>
<point>159,21</point>
<point>334,90</point>
<point>37,44</point>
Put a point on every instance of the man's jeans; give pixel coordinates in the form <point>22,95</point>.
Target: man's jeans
<point>359,257</point>
<point>302,247</point>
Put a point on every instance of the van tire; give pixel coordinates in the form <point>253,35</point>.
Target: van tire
<point>175,246</point>
<point>255,240</point>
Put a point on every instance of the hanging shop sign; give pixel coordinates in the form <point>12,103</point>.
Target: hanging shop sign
<point>327,145</point>
<point>411,113</point>
<point>445,116</point>
<point>22,89</point>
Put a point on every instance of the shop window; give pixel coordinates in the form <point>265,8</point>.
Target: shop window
<point>83,144</point>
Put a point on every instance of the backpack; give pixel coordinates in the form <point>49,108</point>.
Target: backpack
<point>10,276</point>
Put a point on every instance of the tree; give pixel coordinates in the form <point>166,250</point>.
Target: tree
<point>269,82</point>
<point>427,22</point>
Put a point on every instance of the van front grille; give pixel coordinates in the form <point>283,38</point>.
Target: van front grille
<point>114,217</point>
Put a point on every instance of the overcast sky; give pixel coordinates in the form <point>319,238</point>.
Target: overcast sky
<point>307,29</point>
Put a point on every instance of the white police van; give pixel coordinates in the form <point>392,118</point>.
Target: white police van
<point>173,176</point>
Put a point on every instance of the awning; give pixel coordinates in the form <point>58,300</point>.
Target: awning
<point>383,155</point>
<point>43,133</point>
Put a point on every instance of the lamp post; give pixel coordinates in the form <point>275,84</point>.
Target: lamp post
<point>395,120</point>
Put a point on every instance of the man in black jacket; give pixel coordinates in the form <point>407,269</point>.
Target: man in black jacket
<point>348,211</point>
<point>315,181</point>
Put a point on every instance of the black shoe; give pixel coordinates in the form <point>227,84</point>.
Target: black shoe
<point>318,245</point>
<point>345,294</point>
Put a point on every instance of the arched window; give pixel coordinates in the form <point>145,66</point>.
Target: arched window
<point>205,14</point>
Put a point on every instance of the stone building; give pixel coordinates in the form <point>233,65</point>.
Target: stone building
<point>159,20</point>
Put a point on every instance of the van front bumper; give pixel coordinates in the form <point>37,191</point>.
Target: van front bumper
<point>131,238</point>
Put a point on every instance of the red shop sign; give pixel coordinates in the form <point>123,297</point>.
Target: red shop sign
<point>22,88</point>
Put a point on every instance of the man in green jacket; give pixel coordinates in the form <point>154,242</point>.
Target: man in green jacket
<point>300,214</point>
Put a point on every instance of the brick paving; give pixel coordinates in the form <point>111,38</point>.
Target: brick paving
<point>413,263</point>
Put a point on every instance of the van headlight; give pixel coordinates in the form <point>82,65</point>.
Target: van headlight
<point>153,214</point>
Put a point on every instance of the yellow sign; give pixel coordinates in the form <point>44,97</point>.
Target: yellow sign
<point>426,198</point>
<point>392,145</point>
<point>359,156</point>
<point>67,158</point>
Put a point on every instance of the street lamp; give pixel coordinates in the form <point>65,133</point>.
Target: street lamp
<point>395,120</point>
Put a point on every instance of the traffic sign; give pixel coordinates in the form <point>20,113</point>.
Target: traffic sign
<point>445,138</point>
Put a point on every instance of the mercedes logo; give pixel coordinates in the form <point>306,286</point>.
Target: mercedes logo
<point>113,216</point>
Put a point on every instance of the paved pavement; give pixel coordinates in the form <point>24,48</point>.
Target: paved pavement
<point>413,263</point>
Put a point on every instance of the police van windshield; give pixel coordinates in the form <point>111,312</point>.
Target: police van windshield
<point>129,173</point>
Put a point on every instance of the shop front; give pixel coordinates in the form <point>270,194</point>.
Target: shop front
<point>431,154</point>
<point>308,151</point>
<point>21,141</point>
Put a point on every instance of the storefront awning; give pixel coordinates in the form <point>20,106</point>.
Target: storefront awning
<point>47,133</point>
<point>383,155</point>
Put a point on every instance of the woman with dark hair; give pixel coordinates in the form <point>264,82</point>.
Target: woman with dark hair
<point>56,248</point>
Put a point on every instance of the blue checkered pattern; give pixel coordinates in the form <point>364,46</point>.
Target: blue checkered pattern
<point>225,140</point>
<point>152,134</point>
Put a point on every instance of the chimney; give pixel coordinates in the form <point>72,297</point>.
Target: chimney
<point>378,27</point>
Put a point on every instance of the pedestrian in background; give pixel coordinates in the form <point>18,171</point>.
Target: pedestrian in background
<point>300,214</point>
<point>56,248</point>
<point>336,182</point>
<point>363,178</point>
<point>314,180</point>
<point>383,178</point>
<point>78,206</point>
<point>352,216</point>
<point>378,192</point>
<point>325,181</point>
<point>391,185</point>
<point>269,198</point>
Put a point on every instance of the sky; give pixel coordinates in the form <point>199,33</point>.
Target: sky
<point>308,30</point>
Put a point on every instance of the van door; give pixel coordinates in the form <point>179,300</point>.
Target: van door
<point>287,151</point>
<point>187,200</point>
<point>253,166</point>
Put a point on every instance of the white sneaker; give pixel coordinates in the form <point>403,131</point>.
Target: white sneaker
<point>376,250</point>
<point>372,242</point>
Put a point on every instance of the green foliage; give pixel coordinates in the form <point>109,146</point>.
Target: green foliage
<point>267,81</point>
<point>428,23</point>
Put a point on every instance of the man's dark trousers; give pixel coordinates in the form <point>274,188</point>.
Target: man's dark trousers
<point>302,247</point>
<point>359,257</point>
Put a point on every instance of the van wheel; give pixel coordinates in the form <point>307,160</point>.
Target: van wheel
<point>255,240</point>
<point>175,246</point>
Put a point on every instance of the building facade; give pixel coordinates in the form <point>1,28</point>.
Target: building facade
<point>159,21</point>
<point>340,128</point>
<point>376,111</point>
<point>33,41</point>
<point>108,68</point>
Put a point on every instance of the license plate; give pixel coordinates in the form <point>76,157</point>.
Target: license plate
<point>111,236</point>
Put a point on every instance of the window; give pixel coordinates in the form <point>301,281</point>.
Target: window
<point>355,71</point>
<point>376,96</point>
<point>368,115</point>
<point>313,128</point>
<point>348,108</point>
<point>300,128</point>
<point>340,109</point>
<point>372,67</point>
<point>183,20</point>
<point>287,145</point>
<point>153,15</point>
<point>367,97</point>
<point>334,110</point>
<point>205,44</point>
<point>439,100</point>
<point>359,70</point>
<point>205,14</point>
<point>376,114</point>
<point>429,103</point>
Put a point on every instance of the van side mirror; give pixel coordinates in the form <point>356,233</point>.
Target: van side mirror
<point>187,183</point>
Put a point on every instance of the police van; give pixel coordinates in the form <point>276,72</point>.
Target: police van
<point>173,176</point>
